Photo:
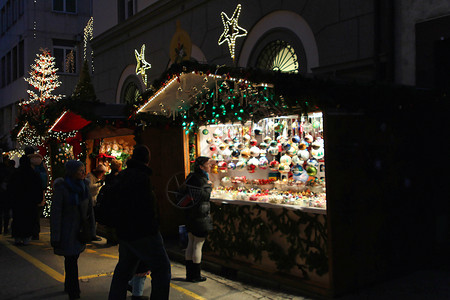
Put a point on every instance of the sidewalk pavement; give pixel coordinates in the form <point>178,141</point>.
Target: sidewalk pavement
<point>433,284</point>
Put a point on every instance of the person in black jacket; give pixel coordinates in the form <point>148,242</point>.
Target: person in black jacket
<point>25,193</point>
<point>137,229</point>
<point>198,219</point>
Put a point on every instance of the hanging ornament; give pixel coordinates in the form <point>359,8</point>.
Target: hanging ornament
<point>252,164</point>
<point>213,148</point>
<point>267,139</point>
<point>274,164</point>
<point>241,164</point>
<point>283,168</point>
<point>263,146</point>
<point>285,159</point>
<point>226,154</point>
<point>223,167</point>
<point>245,153</point>
<point>291,151</point>
<point>217,133</point>
<point>286,146</point>
<point>263,162</point>
<point>222,146</point>
<point>253,142</point>
<point>296,139</point>
<point>278,127</point>
<point>254,151</point>
<point>303,154</point>
<point>296,160</point>
<point>311,170</point>
<point>235,153</point>
<point>205,131</point>
<point>273,151</point>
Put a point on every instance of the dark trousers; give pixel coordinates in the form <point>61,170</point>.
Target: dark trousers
<point>71,283</point>
<point>151,252</point>
<point>37,222</point>
<point>5,215</point>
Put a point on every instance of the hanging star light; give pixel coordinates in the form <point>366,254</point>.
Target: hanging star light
<point>142,64</point>
<point>231,30</point>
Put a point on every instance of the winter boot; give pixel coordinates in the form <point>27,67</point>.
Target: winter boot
<point>189,274</point>
<point>196,273</point>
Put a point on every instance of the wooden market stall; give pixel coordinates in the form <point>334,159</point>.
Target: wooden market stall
<point>268,203</point>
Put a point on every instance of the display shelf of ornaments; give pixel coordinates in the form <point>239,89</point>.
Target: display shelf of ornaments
<point>277,161</point>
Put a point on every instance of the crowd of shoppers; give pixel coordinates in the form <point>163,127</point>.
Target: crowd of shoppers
<point>72,219</point>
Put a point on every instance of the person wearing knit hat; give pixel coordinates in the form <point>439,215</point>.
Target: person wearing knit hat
<point>96,180</point>
<point>71,212</point>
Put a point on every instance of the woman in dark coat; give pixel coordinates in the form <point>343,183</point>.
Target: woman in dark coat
<point>198,219</point>
<point>25,193</point>
<point>71,207</point>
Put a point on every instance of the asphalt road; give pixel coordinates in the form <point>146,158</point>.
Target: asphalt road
<point>34,272</point>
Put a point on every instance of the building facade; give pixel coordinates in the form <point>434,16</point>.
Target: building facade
<point>26,27</point>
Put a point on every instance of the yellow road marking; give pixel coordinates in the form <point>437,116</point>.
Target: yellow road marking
<point>187,292</point>
<point>95,275</point>
<point>110,256</point>
<point>37,263</point>
<point>60,277</point>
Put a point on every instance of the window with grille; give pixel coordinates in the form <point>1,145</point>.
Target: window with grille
<point>131,93</point>
<point>278,56</point>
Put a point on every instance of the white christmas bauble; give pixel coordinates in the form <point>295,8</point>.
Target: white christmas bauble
<point>273,150</point>
<point>263,162</point>
<point>285,159</point>
<point>303,154</point>
<point>254,151</point>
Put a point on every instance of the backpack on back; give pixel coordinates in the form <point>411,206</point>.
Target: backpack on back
<point>107,210</point>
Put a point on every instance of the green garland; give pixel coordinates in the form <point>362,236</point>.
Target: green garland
<point>243,230</point>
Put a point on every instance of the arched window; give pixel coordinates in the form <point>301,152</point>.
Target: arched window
<point>130,92</point>
<point>278,56</point>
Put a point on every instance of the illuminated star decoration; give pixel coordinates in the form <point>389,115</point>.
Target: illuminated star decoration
<point>142,65</point>
<point>231,30</point>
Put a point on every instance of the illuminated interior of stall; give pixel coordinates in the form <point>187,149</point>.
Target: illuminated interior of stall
<point>117,147</point>
<point>277,160</point>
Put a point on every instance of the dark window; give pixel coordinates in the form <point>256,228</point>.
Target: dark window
<point>8,14</point>
<point>14,63</point>
<point>58,5</point>
<point>3,21</point>
<point>129,8</point>
<point>432,52</point>
<point>69,6</point>
<point>8,68</point>
<point>15,10</point>
<point>65,59</point>
<point>21,59</point>
<point>3,74</point>
<point>21,7</point>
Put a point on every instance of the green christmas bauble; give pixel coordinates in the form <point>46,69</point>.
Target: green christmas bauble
<point>205,131</point>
